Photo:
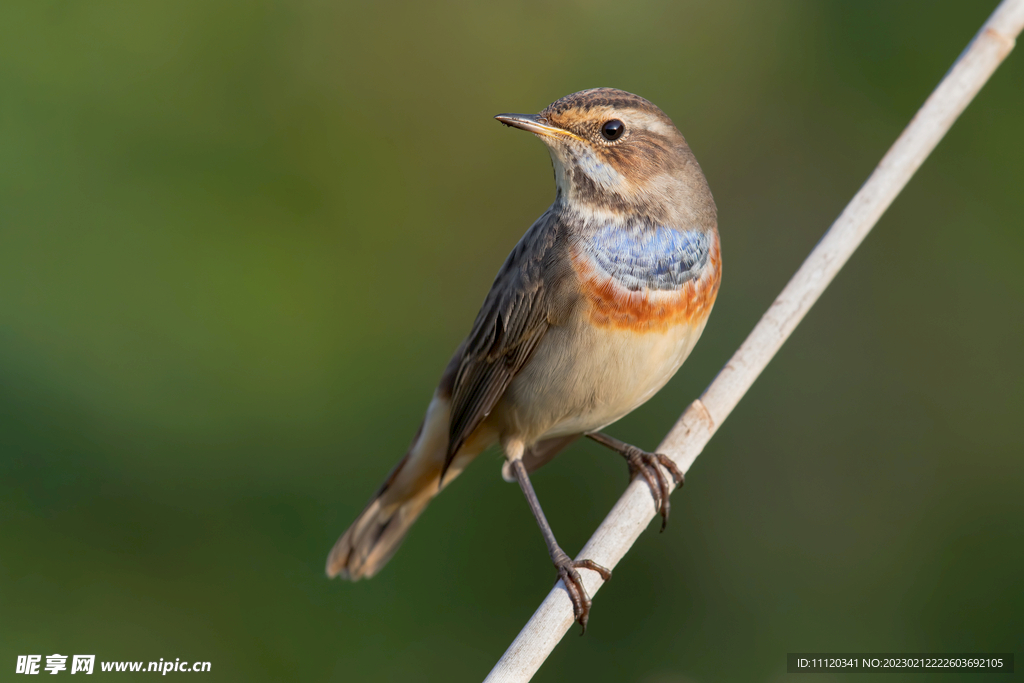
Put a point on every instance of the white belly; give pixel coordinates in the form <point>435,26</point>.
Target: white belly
<point>582,378</point>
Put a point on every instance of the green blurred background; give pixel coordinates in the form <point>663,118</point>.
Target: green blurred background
<point>239,240</point>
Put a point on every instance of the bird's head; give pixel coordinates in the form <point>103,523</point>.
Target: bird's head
<point>615,152</point>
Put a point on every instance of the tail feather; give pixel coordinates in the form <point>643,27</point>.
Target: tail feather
<point>374,537</point>
<point>380,529</point>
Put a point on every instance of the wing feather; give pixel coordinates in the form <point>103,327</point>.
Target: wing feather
<point>511,323</point>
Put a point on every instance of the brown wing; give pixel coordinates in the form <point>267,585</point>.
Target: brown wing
<point>515,315</point>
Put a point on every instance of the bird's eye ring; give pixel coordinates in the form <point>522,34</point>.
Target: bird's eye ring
<point>613,130</point>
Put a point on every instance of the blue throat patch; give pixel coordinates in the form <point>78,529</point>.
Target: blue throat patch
<point>645,257</point>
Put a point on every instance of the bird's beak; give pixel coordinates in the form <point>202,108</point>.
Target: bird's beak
<point>535,124</point>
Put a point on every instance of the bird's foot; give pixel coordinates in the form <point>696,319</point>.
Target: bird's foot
<point>567,572</point>
<point>646,464</point>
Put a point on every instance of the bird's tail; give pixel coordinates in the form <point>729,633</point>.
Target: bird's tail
<point>376,534</point>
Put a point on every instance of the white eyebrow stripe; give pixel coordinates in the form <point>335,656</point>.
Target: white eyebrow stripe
<point>635,118</point>
<point>650,122</point>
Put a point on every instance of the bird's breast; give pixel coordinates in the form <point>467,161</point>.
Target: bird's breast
<point>645,279</point>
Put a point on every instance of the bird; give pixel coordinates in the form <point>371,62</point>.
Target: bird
<point>591,314</point>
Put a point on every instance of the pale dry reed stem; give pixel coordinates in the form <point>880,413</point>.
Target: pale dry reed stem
<point>635,509</point>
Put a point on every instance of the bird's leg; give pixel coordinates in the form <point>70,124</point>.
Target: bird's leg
<point>646,464</point>
<point>565,565</point>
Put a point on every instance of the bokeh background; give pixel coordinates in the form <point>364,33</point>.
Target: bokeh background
<point>238,242</point>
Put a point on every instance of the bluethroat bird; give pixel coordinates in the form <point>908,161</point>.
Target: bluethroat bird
<point>591,314</point>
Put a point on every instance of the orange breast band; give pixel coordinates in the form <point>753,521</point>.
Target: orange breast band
<point>613,305</point>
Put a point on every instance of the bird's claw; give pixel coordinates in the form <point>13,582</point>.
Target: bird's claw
<point>567,572</point>
<point>646,464</point>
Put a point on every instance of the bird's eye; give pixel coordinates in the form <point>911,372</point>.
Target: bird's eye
<point>613,130</point>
